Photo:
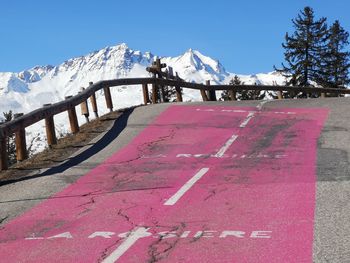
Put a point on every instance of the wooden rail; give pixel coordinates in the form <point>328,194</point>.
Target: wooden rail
<point>159,80</point>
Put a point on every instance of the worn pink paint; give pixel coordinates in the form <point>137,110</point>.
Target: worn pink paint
<point>237,194</point>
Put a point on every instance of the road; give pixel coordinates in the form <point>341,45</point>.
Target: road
<point>214,182</point>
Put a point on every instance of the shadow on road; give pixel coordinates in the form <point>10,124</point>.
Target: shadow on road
<point>107,138</point>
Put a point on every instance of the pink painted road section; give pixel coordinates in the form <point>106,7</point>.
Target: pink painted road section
<point>200,184</point>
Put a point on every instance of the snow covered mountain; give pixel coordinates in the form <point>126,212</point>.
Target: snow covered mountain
<point>30,89</point>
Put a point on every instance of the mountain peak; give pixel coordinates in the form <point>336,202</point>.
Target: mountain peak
<point>121,47</point>
<point>193,61</point>
<point>193,53</point>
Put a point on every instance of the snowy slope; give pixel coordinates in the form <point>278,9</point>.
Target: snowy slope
<point>30,89</point>
<point>195,67</point>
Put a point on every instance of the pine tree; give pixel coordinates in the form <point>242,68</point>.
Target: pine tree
<point>169,94</point>
<point>303,49</point>
<point>11,146</point>
<point>336,59</point>
<point>243,94</point>
<point>251,94</point>
<point>234,81</point>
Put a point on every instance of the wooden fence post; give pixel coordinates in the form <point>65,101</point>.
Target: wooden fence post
<point>178,94</point>
<point>177,88</point>
<point>279,92</point>
<point>204,95</point>
<point>84,108</point>
<point>108,98</point>
<point>73,120</point>
<point>4,165</point>
<point>170,73</point>
<point>93,102</point>
<point>50,129</point>
<point>323,95</point>
<point>154,91</point>
<point>161,87</point>
<point>211,93</point>
<point>232,94</point>
<point>145,93</point>
<point>166,97</point>
<point>20,140</point>
<point>279,95</point>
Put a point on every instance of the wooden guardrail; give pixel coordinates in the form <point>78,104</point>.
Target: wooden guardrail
<point>159,80</point>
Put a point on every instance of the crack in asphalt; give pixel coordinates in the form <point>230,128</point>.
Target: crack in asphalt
<point>162,138</point>
<point>90,202</point>
<point>92,193</point>
<point>126,217</point>
<point>212,193</point>
<point>86,210</point>
<point>156,256</point>
<point>104,253</point>
<point>130,160</point>
<point>167,247</point>
<point>141,149</point>
<point>79,196</point>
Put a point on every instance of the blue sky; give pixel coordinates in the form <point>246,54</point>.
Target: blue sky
<point>245,36</point>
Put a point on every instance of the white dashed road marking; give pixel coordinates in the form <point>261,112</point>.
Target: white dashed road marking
<point>172,200</point>
<point>245,122</point>
<point>224,148</point>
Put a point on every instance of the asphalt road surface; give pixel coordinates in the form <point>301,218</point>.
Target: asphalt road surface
<point>194,182</point>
